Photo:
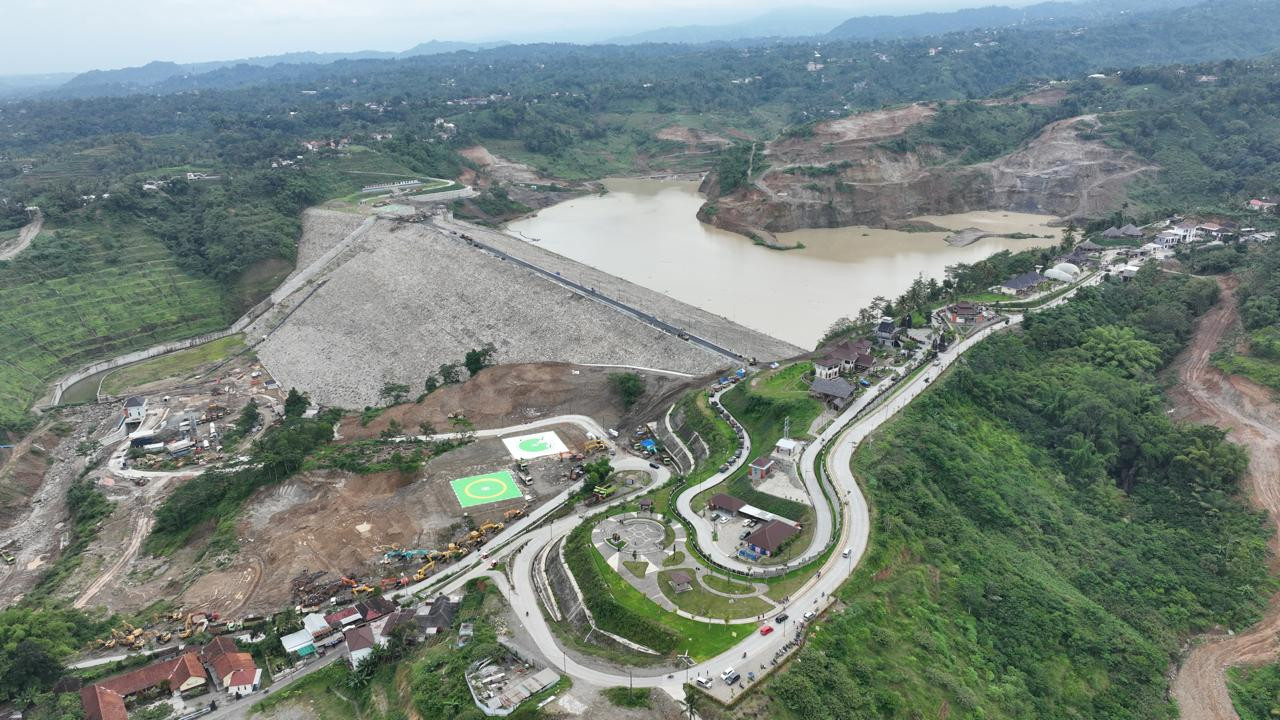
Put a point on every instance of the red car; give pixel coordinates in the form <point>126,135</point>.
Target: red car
<point>766,629</point>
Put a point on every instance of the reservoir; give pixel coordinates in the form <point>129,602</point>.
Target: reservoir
<point>646,231</point>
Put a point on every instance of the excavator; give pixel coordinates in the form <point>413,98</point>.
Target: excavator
<point>512,514</point>
<point>361,590</point>
<point>349,582</point>
<point>424,571</point>
<point>594,445</point>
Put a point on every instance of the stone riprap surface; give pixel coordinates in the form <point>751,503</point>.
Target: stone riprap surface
<point>719,330</point>
<point>408,297</point>
<point>322,229</point>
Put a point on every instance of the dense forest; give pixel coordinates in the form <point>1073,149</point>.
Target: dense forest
<point>1044,536</point>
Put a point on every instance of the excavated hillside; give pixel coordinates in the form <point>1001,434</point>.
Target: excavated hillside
<point>863,181</point>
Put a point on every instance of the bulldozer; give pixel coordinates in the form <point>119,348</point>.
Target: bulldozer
<point>594,445</point>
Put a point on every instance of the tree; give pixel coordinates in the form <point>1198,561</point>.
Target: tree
<point>295,404</point>
<point>479,359</point>
<point>393,393</point>
<point>1119,347</point>
<point>629,386</point>
<point>450,374</point>
<point>430,384</point>
<point>426,428</point>
<point>1069,238</point>
<point>598,472</point>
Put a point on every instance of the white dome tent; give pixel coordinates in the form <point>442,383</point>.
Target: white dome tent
<point>1063,272</point>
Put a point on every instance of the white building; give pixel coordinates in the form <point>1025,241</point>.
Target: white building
<point>788,449</point>
<point>244,682</point>
<point>135,409</point>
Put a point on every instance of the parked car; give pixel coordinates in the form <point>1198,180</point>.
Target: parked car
<point>810,615</point>
<point>743,535</point>
<point>703,682</point>
<point>728,672</point>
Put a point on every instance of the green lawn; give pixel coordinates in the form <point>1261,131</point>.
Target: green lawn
<point>173,365</point>
<point>636,567</point>
<point>707,604</point>
<point>701,640</point>
<point>715,582</point>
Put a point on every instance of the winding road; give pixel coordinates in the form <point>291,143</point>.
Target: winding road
<point>755,651</point>
<point>1204,394</point>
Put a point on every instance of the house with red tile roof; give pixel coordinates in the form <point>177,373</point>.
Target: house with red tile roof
<point>106,700</point>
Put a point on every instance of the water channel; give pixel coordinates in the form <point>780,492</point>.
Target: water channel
<point>646,231</point>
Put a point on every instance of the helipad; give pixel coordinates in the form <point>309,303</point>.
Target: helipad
<point>528,447</point>
<point>485,489</point>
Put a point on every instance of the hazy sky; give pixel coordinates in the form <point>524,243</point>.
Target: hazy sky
<point>76,35</point>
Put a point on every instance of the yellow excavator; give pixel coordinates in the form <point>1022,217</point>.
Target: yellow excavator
<point>512,514</point>
<point>361,590</point>
<point>424,570</point>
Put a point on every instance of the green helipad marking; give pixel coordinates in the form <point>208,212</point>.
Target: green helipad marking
<point>484,489</point>
<point>534,444</point>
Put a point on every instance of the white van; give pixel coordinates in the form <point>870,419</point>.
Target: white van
<point>703,682</point>
<point>847,552</point>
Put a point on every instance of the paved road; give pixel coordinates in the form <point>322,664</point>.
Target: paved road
<point>474,565</point>
<point>755,651</point>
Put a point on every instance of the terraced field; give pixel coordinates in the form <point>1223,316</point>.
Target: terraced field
<point>76,296</point>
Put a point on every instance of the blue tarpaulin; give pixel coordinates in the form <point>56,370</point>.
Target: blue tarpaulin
<point>648,444</point>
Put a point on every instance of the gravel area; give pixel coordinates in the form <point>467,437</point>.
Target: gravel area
<point>321,230</point>
<point>410,298</point>
<point>716,328</point>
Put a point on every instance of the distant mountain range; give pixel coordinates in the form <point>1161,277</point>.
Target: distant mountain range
<point>800,22</point>
<point>140,78</point>
<point>791,22</point>
<point>890,27</point>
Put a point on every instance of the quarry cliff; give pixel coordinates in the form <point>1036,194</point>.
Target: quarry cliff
<point>847,172</point>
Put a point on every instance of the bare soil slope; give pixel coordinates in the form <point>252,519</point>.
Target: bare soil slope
<point>1204,394</point>
<point>1056,173</point>
<point>512,394</point>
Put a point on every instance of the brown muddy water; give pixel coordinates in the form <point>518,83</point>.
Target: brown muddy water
<point>646,231</point>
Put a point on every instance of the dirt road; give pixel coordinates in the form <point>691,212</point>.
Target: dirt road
<point>141,526</point>
<point>1246,410</point>
<point>25,236</point>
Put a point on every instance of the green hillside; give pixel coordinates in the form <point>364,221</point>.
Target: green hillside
<point>77,295</point>
<point>1043,536</point>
